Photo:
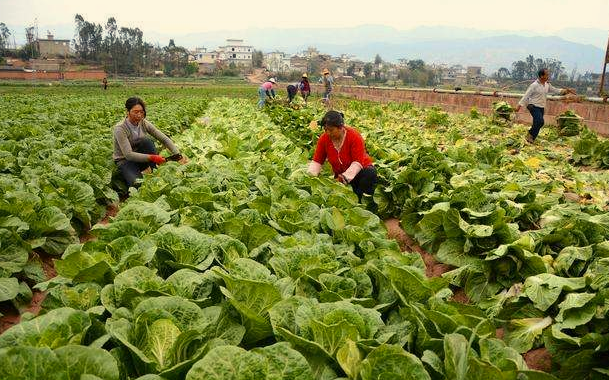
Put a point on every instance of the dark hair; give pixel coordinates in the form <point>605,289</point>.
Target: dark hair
<point>332,119</point>
<point>541,72</point>
<point>133,101</point>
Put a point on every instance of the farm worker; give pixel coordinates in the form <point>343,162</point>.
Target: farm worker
<point>304,87</point>
<point>345,149</point>
<point>134,151</point>
<point>105,83</point>
<point>292,91</point>
<point>534,100</point>
<point>327,81</point>
<point>266,89</point>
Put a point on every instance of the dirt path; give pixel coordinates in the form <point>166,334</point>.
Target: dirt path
<point>539,359</point>
<point>258,76</point>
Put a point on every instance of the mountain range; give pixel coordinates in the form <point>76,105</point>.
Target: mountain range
<point>582,49</point>
<point>578,48</point>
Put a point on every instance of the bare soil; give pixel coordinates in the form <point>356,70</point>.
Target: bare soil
<point>432,267</point>
<point>258,76</point>
<point>539,359</point>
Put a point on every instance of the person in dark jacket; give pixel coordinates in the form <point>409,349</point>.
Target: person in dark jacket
<point>292,91</point>
<point>304,87</point>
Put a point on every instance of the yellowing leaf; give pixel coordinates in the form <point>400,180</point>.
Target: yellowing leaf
<point>533,163</point>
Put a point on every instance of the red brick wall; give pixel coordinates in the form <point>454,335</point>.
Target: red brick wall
<point>596,115</point>
<point>53,75</point>
<point>98,75</point>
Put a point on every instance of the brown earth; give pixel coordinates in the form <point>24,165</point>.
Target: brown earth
<point>432,267</point>
<point>258,76</point>
<point>539,359</point>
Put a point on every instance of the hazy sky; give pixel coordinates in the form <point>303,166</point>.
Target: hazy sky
<point>190,16</point>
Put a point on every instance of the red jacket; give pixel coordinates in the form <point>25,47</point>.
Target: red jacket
<point>352,150</point>
<point>304,86</point>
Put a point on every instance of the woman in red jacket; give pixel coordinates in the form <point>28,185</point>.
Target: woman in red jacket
<point>344,148</point>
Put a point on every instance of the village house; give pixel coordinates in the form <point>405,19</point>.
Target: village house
<point>236,52</point>
<point>277,62</point>
<point>52,48</point>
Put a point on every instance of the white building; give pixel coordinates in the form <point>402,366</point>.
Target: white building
<point>236,52</point>
<point>277,62</point>
<point>202,56</point>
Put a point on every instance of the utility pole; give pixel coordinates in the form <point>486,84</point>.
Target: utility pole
<point>601,91</point>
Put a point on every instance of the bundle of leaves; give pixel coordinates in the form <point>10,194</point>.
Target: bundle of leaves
<point>569,123</point>
<point>502,111</point>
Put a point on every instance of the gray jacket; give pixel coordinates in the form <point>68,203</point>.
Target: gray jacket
<point>126,136</point>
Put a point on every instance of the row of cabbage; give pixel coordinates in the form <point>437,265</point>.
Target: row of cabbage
<point>524,227</point>
<point>56,169</point>
<point>240,266</point>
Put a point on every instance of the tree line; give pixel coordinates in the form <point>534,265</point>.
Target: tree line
<point>528,68</point>
<point>122,50</point>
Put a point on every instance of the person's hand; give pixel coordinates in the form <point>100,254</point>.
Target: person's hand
<point>341,178</point>
<point>157,159</point>
<point>517,108</point>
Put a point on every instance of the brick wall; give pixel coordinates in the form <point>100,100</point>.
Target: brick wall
<point>53,75</point>
<point>596,115</point>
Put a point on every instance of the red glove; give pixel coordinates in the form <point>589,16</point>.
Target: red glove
<point>157,159</point>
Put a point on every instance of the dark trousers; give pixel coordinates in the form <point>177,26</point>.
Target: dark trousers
<point>537,113</point>
<point>131,170</point>
<point>364,182</point>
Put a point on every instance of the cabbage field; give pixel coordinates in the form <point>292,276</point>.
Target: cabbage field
<point>238,265</point>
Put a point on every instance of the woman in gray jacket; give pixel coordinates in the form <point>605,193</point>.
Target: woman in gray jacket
<point>134,151</point>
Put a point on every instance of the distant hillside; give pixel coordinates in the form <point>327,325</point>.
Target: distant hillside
<point>490,49</point>
<point>490,53</point>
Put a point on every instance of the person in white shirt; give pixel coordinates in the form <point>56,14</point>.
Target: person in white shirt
<point>535,101</point>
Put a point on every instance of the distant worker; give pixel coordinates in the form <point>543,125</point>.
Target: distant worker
<point>304,87</point>
<point>292,91</point>
<point>327,81</point>
<point>267,89</point>
<point>534,100</point>
<point>345,149</point>
<point>105,83</point>
<point>134,151</point>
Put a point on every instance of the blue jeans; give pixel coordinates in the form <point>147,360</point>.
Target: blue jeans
<point>262,96</point>
<point>131,170</point>
<point>537,113</point>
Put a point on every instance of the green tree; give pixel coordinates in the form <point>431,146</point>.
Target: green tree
<point>257,58</point>
<point>351,69</point>
<point>503,73</point>
<point>367,70</point>
<point>415,64</point>
<point>519,70</point>
<point>89,39</point>
<point>192,68</point>
<point>4,38</point>
<point>378,60</point>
